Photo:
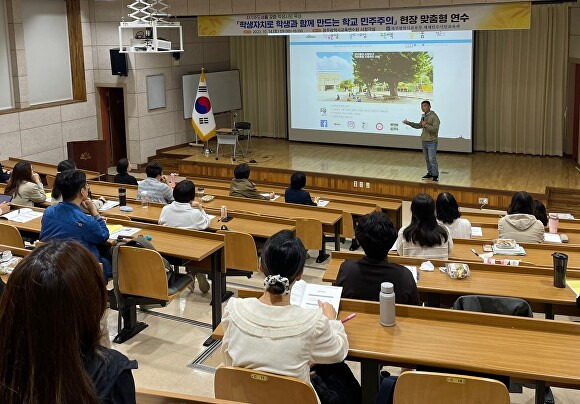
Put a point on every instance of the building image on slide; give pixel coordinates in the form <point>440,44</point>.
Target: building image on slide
<point>375,77</point>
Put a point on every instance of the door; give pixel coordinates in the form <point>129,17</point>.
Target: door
<point>113,123</point>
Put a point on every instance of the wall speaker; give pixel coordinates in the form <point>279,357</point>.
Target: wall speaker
<point>118,63</point>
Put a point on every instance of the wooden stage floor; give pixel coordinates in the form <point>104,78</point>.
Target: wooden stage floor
<point>495,171</point>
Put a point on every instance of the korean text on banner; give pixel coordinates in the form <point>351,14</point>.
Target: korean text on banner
<point>445,18</point>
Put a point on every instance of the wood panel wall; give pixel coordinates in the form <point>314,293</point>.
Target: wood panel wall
<point>498,199</point>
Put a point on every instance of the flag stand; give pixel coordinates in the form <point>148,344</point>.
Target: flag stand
<point>206,151</point>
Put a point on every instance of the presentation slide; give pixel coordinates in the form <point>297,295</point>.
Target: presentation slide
<point>357,88</point>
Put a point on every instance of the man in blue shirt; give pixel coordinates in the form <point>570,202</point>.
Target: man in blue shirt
<point>66,220</point>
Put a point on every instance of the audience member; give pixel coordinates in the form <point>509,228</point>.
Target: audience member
<point>362,278</point>
<point>155,185</point>
<point>540,212</point>
<point>242,187</point>
<point>424,237</point>
<point>123,176</point>
<point>50,336</point>
<point>4,175</point>
<point>25,185</point>
<point>185,213</point>
<point>520,223</point>
<point>449,216</point>
<point>66,220</point>
<point>269,333</point>
<point>56,195</point>
<point>295,194</point>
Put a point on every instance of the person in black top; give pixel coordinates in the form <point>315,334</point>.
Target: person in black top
<point>361,279</point>
<point>56,298</point>
<point>4,176</point>
<point>295,193</point>
<point>122,177</point>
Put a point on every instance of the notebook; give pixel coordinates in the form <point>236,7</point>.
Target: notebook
<point>307,295</point>
<point>108,205</point>
<point>22,215</point>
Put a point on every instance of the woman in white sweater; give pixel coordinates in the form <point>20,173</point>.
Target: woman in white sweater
<point>424,237</point>
<point>25,185</point>
<point>449,216</point>
<point>270,334</point>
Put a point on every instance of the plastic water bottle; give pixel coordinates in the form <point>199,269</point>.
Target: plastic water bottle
<point>144,200</point>
<point>387,302</point>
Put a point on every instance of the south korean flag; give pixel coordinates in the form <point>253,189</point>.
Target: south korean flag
<point>202,118</point>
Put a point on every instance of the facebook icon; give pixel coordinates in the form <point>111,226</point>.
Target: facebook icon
<point>324,123</point>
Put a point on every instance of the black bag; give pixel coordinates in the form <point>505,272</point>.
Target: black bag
<point>335,384</point>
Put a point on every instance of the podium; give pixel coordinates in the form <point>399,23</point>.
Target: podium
<point>88,155</point>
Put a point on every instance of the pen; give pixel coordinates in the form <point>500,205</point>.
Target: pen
<point>350,316</point>
<point>475,252</point>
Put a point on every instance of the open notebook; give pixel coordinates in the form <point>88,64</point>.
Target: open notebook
<point>307,295</point>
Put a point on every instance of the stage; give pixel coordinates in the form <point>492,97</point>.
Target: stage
<point>391,172</point>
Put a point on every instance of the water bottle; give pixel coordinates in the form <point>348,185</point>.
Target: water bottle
<point>553,222</point>
<point>144,200</point>
<point>122,197</point>
<point>560,265</point>
<point>387,302</point>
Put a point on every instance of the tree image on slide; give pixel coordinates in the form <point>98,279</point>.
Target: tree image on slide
<point>392,68</point>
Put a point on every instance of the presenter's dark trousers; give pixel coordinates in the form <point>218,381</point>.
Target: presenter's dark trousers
<point>430,154</point>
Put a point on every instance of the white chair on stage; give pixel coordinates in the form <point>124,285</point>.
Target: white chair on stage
<point>228,137</point>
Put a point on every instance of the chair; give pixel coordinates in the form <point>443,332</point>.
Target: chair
<point>50,180</point>
<point>245,133</point>
<point>140,278</point>
<point>254,386</point>
<point>231,139</point>
<point>10,236</point>
<point>309,231</point>
<point>146,396</point>
<point>510,306</point>
<point>438,388</point>
<point>241,257</point>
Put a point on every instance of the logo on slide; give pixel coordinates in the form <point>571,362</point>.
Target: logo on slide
<point>350,124</point>
<point>202,105</point>
<point>379,126</point>
<point>324,123</point>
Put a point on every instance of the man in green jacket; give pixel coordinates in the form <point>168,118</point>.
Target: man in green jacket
<point>430,129</point>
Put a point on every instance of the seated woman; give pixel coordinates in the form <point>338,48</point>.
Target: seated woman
<point>362,278</point>
<point>295,193</point>
<point>60,360</point>
<point>424,237</point>
<point>540,212</point>
<point>122,176</point>
<point>520,223</point>
<point>242,187</point>
<point>269,333</point>
<point>449,216</point>
<point>185,213</point>
<point>25,185</point>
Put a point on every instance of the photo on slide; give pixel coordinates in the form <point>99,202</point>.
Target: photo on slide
<point>375,77</point>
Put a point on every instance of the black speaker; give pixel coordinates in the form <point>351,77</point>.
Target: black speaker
<point>118,62</point>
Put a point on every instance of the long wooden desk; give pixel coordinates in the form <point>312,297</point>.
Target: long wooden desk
<point>535,285</point>
<point>257,226</point>
<point>543,351</point>
<point>188,245</point>
<point>490,232</point>
<point>536,254</point>
<point>45,169</point>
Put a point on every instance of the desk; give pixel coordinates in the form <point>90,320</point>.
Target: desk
<point>188,245</point>
<point>490,232</point>
<point>516,347</point>
<point>16,252</point>
<point>328,217</point>
<point>478,218</point>
<point>45,169</point>
<point>257,226</point>
<point>535,285</point>
<point>110,190</point>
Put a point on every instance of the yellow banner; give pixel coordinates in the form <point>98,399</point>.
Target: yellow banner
<point>444,18</point>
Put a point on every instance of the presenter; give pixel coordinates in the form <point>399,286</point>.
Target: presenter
<point>430,129</point>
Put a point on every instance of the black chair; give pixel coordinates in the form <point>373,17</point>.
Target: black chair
<point>245,133</point>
